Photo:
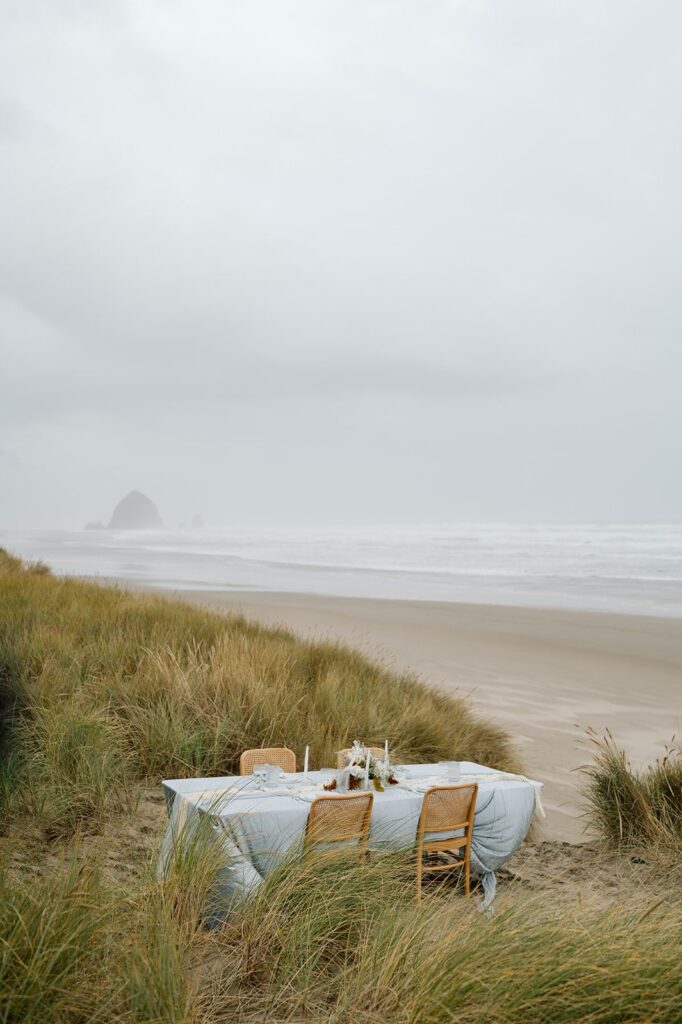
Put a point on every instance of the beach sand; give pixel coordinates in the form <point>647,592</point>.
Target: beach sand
<point>545,675</point>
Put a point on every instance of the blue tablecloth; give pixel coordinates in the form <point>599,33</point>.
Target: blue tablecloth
<point>259,825</point>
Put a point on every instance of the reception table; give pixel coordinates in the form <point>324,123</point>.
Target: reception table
<point>260,823</point>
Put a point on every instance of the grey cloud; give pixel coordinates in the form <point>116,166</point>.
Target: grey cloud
<point>237,220</point>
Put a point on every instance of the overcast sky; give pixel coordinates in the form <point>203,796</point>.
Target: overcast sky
<point>309,260</point>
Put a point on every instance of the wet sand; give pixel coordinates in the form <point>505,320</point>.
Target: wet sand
<point>545,675</point>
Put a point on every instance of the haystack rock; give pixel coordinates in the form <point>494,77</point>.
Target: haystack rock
<point>136,512</point>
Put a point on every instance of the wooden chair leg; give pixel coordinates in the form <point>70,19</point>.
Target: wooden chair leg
<point>467,870</point>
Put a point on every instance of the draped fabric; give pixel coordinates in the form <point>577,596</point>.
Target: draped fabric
<point>258,825</point>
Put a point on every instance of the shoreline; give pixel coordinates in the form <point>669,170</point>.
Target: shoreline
<point>544,674</point>
<point>621,570</point>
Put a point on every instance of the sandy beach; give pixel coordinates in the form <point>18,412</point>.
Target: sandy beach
<point>545,675</point>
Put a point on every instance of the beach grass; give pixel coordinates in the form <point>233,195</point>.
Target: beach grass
<point>55,935</point>
<point>634,809</point>
<point>104,693</point>
<point>322,941</point>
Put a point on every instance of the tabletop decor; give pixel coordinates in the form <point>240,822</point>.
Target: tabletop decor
<point>364,768</point>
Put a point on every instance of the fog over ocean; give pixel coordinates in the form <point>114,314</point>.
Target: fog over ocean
<point>623,568</point>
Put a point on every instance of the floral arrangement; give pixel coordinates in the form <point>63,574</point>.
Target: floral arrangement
<point>363,765</point>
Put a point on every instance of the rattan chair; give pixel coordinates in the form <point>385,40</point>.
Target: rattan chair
<point>340,819</point>
<point>341,755</point>
<point>447,809</point>
<point>282,756</point>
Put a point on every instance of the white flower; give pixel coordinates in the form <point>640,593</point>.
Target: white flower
<point>356,755</point>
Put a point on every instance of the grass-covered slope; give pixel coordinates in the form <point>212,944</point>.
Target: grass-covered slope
<point>115,689</point>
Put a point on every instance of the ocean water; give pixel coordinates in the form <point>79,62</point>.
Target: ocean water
<point>631,568</point>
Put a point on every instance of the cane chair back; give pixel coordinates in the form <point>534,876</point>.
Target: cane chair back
<point>342,754</point>
<point>340,819</point>
<point>447,809</point>
<point>282,756</point>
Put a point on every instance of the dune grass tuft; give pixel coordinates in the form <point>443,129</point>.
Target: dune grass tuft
<point>54,938</point>
<point>11,565</point>
<point>76,767</point>
<point>632,809</point>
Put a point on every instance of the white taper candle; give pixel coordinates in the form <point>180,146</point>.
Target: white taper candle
<point>305,760</point>
<point>386,753</point>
